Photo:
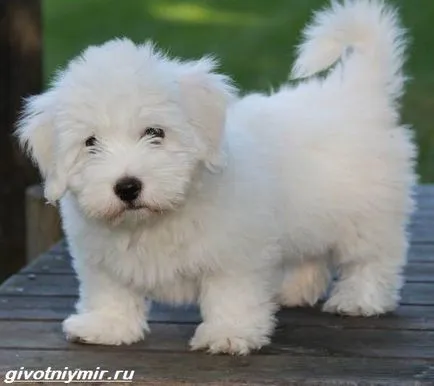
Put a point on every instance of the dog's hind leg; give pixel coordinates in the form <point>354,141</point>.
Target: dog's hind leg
<point>370,266</point>
<point>305,283</point>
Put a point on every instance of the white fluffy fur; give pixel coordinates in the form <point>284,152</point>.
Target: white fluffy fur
<point>249,202</point>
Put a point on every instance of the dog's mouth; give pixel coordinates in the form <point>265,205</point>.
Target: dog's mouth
<point>132,207</point>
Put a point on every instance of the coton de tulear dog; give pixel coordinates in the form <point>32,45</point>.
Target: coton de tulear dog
<point>173,189</point>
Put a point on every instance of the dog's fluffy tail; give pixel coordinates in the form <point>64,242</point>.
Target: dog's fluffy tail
<point>368,31</point>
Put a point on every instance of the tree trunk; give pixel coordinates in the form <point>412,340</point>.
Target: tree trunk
<point>20,76</point>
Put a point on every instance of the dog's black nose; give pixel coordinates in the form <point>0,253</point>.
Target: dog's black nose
<point>128,188</point>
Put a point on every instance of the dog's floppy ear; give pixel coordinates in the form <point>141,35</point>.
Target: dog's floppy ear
<point>36,133</point>
<point>206,95</point>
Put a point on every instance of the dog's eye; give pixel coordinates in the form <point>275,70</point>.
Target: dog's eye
<point>154,132</point>
<point>90,141</point>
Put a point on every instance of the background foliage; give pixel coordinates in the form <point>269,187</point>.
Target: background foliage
<point>254,40</point>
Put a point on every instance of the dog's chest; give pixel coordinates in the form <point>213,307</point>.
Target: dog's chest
<point>165,267</point>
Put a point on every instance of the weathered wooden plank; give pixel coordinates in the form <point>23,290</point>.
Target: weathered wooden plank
<point>425,196</point>
<point>331,341</point>
<point>418,294</point>
<point>49,308</point>
<point>50,263</point>
<point>422,233</point>
<point>425,204</point>
<point>419,272</point>
<point>294,340</point>
<point>35,307</point>
<point>155,368</point>
<point>57,308</point>
<point>40,285</point>
<point>36,303</point>
<point>404,318</point>
<point>423,253</point>
<point>425,189</point>
<point>421,226</point>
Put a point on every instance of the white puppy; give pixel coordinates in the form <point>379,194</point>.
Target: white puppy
<point>173,189</point>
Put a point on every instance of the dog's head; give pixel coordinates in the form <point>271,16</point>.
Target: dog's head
<point>124,129</point>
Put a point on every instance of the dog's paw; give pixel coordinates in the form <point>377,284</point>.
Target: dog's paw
<point>97,328</point>
<point>219,340</point>
<point>353,303</point>
<point>300,297</point>
<point>304,285</point>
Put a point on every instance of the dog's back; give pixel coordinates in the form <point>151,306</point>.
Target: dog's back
<point>345,164</point>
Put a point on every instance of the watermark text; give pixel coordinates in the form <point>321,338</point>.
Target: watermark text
<point>67,375</point>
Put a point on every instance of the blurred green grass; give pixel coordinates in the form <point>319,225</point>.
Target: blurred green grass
<point>254,40</point>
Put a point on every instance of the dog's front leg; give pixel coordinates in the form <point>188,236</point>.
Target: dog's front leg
<point>237,312</point>
<point>108,312</point>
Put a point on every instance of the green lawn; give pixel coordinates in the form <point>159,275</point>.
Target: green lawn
<point>253,38</point>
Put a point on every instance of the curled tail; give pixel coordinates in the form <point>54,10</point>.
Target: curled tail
<point>369,29</point>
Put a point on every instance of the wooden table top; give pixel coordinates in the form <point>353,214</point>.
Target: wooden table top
<point>308,347</point>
